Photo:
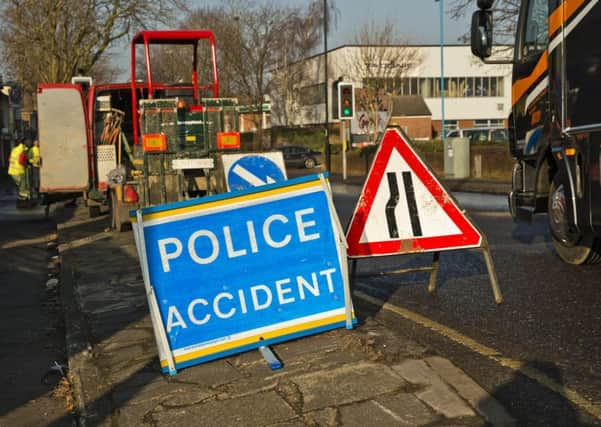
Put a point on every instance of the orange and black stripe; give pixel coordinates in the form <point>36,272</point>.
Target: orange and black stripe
<point>567,13</point>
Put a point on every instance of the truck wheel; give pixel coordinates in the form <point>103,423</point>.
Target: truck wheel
<point>571,246</point>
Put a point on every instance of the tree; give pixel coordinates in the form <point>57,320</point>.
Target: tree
<point>505,17</point>
<point>53,40</point>
<point>255,42</point>
<point>304,34</point>
<point>381,59</point>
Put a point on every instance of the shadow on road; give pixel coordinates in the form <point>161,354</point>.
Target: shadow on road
<point>31,321</point>
<point>537,394</point>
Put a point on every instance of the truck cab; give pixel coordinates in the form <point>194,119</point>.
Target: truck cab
<point>555,124</point>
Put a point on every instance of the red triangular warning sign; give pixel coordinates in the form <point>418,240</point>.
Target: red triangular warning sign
<point>403,208</point>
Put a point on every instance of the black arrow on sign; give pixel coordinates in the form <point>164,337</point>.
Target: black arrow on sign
<point>393,229</point>
<point>411,204</point>
<point>393,201</point>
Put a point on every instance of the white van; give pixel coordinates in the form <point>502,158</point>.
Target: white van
<point>483,134</point>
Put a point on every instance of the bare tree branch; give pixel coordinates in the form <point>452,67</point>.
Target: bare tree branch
<point>505,14</point>
<point>381,59</point>
<point>51,40</point>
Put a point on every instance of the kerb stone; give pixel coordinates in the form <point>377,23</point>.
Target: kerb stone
<point>480,399</point>
<point>437,394</point>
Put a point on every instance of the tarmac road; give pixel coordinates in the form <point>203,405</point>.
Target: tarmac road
<point>31,322</point>
<point>537,353</point>
<point>545,336</point>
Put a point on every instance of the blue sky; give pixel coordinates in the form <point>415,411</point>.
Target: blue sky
<point>417,20</point>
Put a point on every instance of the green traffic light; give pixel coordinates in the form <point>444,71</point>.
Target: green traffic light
<point>346,112</point>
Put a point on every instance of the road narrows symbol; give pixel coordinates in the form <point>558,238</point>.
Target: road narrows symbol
<point>393,201</point>
<point>411,204</point>
<point>393,229</point>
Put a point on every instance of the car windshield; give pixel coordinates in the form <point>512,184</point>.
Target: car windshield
<point>499,135</point>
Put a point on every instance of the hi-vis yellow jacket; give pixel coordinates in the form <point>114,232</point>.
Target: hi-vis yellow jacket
<point>34,156</point>
<point>15,168</point>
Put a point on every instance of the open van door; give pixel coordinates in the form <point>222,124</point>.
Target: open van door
<point>63,139</point>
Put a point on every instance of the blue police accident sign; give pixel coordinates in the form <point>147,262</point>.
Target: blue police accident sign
<point>241,270</point>
<point>244,171</point>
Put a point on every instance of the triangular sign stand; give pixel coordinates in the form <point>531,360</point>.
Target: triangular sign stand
<point>405,209</point>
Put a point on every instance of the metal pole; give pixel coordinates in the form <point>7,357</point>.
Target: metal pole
<point>325,85</point>
<point>442,124</point>
<point>343,142</point>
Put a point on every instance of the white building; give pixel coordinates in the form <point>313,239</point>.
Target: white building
<point>476,94</point>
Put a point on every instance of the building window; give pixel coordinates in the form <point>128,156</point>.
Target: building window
<point>429,87</point>
<point>414,86</point>
<point>484,123</point>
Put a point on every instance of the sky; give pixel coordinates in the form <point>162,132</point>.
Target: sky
<point>418,21</point>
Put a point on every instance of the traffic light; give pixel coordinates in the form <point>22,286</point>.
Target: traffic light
<point>346,100</point>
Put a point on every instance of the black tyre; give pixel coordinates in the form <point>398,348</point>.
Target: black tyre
<point>572,246</point>
<point>309,163</point>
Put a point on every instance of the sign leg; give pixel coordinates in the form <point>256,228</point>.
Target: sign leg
<point>342,249</point>
<point>492,273</point>
<point>155,314</point>
<point>433,274</point>
<point>271,359</point>
<point>353,272</point>
<point>348,301</point>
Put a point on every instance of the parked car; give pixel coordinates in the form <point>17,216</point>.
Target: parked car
<point>299,156</point>
<point>482,134</point>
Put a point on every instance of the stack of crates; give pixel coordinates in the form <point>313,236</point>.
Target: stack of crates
<point>188,132</point>
<point>191,132</point>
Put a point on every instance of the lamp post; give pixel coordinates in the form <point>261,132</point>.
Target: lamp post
<point>325,85</point>
<point>442,124</point>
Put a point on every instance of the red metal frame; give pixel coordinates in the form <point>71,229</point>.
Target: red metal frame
<point>189,37</point>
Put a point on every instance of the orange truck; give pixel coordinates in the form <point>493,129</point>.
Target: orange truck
<point>555,121</point>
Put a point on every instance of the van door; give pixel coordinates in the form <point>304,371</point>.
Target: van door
<point>63,138</point>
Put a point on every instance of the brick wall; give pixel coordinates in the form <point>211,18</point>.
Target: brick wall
<point>415,127</point>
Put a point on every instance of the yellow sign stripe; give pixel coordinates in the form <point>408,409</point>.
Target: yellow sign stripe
<point>225,202</point>
<point>255,338</point>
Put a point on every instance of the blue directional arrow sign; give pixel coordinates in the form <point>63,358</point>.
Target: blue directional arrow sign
<point>253,171</point>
